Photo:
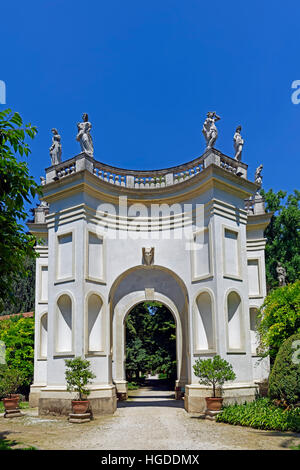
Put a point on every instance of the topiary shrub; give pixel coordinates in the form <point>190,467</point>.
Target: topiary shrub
<point>284,381</point>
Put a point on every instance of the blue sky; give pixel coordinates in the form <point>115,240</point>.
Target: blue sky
<point>147,73</point>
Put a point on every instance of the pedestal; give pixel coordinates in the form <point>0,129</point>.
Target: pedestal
<point>79,417</point>
<point>211,414</point>
<point>12,413</point>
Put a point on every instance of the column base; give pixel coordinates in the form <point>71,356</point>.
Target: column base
<point>55,401</point>
<point>34,395</point>
<point>122,389</point>
<point>194,399</point>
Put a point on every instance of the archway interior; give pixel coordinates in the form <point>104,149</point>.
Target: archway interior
<point>150,346</point>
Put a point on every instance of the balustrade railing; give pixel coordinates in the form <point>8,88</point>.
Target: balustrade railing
<point>143,179</point>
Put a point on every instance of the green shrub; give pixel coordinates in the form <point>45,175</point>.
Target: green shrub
<point>17,333</point>
<point>261,414</point>
<point>133,386</point>
<point>214,372</point>
<point>279,318</point>
<point>284,381</point>
<point>78,376</point>
<point>10,381</point>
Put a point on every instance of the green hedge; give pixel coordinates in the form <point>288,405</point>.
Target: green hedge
<point>261,414</point>
<point>284,380</point>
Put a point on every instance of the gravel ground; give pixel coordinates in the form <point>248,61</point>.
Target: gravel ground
<point>151,419</point>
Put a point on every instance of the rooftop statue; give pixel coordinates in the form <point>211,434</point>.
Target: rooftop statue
<point>84,137</point>
<point>281,274</point>
<point>238,143</point>
<point>209,129</point>
<point>55,149</point>
<point>258,176</point>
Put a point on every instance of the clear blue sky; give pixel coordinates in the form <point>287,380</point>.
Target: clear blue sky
<point>147,72</point>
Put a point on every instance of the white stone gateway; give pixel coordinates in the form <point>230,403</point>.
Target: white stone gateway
<point>113,238</point>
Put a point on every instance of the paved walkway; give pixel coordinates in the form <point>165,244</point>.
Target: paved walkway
<point>151,419</point>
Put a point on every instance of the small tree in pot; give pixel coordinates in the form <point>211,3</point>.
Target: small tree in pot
<point>10,382</point>
<point>214,372</point>
<point>78,376</point>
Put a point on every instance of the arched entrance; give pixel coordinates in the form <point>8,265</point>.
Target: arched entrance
<point>142,284</point>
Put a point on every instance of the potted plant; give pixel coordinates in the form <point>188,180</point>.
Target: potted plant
<point>10,381</point>
<point>214,372</point>
<point>78,376</point>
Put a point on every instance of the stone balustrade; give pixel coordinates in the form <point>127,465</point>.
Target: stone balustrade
<point>143,179</point>
<point>255,205</point>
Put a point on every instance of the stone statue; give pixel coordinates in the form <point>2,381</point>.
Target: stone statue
<point>238,143</point>
<point>43,181</point>
<point>148,256</point>
<point>281,274</point>
<point>55,149</point>
<point>258,177</point>
<point>84,137</point>
<point>209,129</point>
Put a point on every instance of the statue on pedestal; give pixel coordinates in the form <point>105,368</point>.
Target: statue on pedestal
<point>55,149</point>
<point>209,129</point>
<point>258,177</point>
<point>238,143</point>
<point>281,274</point>
<point>84,137</point>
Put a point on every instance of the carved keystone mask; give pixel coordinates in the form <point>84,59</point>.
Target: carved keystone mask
<point>148,256</point>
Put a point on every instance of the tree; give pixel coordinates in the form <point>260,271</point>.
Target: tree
<point>279,318</point>
<point>17,333</point>
<point>150,340</point>
<point>78,376</point>
<point>283,235</point>
<point>24,291</point>
<point>17,186</point>
<point>214,372</point>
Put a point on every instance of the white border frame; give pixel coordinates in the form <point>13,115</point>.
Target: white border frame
<point>210,274</point>
<point>225,274</point>
<point>101,237</point>
<point>260,280</point>
<point>40,269</point>
<point>59,280</point>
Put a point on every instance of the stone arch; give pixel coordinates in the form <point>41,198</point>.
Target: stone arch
<point>234,309</point>
<point>139,285</point>
<point>254,338</point>
<point>64,331</point>
<point>94,323</point>
<point>204,322</point>
<point>43,335</point>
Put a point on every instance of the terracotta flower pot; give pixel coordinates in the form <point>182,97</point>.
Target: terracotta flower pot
<point>11,403</point>
<point>214,404</point>
<point>80,406</point>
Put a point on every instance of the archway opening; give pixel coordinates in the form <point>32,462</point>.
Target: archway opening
<point>150,333</point>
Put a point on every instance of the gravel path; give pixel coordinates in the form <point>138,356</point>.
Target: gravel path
<point>152,420</point>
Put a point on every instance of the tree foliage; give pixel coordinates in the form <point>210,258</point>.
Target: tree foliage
<point>24,291</point>
<point>16,187</point>
<point>78,376</point>
<point>283,235</point>
<point>17,333</point>
<point>10,381</point>
<point>279,318</point>
<point>150,340</point>
<point>214,372</point>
